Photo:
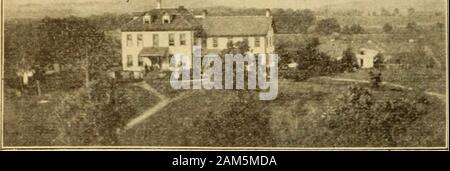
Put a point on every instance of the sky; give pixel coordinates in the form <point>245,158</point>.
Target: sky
<point>201,3</point>
<point>58,8</point>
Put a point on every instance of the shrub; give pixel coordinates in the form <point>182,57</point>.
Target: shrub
<point>360,120</point>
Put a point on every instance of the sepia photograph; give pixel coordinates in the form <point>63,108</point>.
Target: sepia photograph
<point>224,75</point>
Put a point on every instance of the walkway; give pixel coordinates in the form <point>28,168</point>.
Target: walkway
<point>165,101</point>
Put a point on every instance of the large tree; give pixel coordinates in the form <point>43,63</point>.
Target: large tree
<point>75,43</point>
<point>348,61</point>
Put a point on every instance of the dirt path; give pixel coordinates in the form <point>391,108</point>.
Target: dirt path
<point>154,109</point>
<point>147,87</point>
<point>434,94</point>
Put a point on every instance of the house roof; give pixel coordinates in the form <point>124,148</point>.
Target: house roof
<point>154,51</point>
<point>236,25</point>
<point>181,19</point>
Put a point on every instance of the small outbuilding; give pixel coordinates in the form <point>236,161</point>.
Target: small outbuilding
<point>366,57</point>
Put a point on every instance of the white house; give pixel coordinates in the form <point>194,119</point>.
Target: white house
<point>366,57</point>
<point>152,37</point>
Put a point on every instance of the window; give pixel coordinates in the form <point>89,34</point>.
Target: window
<point>182,39</point>
<point>171,39</point>
<point>257,42</point>
<point>141,62</point>
<point>215,42</point>
<point>140,40</point>
<point>204,42</point>
<point>147,19</point>
<point>166,18</point>
<point>245,39</point>
<point>155,40</point>
<point>129,60</point>
<point>129,40</point>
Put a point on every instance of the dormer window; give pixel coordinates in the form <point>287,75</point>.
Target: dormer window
<point>147,19</point>
<point>166,18</point>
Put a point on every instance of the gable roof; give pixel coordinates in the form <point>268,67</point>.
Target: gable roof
<point>181,19</point>
<point>236,25</point>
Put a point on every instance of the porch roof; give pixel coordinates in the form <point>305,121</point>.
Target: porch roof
<point>153,51</point>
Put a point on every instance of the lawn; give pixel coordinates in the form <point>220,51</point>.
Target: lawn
<point>294,119</point>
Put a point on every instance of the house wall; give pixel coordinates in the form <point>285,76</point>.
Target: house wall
<point>223,41</point>
<point>271,42</point>
<point>134,49</point>
<point>367,60</point>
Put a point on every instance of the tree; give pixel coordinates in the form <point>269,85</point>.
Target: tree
<point>375,78</point>
<point>92,121</point>
<point>328,26</point>
<point>353,29</point>
<point>240,47</point>
<point>413,27</point>
<point>440,26</point>
<point>361,120</point>
<point>385,12</point>
<point>74,42</point>
<point>411,11</point>
<point>21,47</point>
<point>313,62</point>
<point>244,123</point>
<point>349,61</point>
<point>297,22</point>
<point>378,61</point>
<point>388,28</point>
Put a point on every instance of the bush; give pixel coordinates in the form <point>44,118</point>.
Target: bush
<point>360,120</point>
<point>293,74</point>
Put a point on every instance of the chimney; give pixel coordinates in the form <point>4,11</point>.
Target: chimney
<point>268,13</point>
<point>204,13</point>
<point>158,4</point>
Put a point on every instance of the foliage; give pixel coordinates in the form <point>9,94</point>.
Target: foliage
<point>362,121</point>
<point>378,61</point>
<point>314,62</point>
<point>413,27</point>
<point>20,44</point>
<point>375,78</point>
<point>240,47</point>
<point>92,121</point>
<point>293,22</point>
<point>353,29</point>
<point>388,28</point>
<point>328,26</point>
<point>244,125</point>
<point>349,61</point>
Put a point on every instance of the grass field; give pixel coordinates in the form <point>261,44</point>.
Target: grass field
<point>30,123</point>
<point>294,119</point>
